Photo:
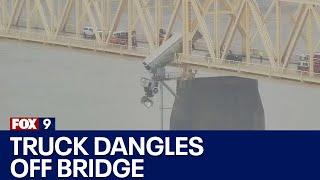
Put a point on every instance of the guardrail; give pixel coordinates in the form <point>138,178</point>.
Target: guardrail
<point>251,68</point>
<point>73,41</point>
<point>229,65</point>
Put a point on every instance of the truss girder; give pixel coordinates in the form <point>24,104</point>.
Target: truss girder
<point>245,18</point>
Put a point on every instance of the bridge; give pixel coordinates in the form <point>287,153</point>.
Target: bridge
<point>273,38</point>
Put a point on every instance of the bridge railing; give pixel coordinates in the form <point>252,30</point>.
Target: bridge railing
<point>71,40</point>
<point>290,73</point>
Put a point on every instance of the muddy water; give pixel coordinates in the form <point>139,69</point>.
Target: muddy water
<point>91,90</point>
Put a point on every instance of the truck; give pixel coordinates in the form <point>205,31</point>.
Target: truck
<point>121,38</point>
<point>88,32</point>
<point>156,64</point>
<point>304,64</point>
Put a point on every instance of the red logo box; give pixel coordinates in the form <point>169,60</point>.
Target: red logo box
<point>24,124</point>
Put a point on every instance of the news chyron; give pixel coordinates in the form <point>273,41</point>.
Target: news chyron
<point>32,124</point>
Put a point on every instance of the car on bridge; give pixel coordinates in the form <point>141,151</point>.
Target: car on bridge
<point>88,33</point>
<point>230,56</point>
<point>121,37</point>
<point>234,57</point>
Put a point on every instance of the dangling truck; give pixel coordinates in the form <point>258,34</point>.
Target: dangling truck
<point>156,63</point>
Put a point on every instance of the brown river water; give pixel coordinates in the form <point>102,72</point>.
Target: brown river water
<point>92,90</point>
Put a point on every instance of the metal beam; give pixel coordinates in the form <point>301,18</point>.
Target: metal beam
<point>203,28</point>
<point>294,36</point>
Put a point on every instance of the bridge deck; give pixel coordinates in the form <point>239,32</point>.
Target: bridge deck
<point>73,41</point>
<point>70,40</point>
<point>254,69</point>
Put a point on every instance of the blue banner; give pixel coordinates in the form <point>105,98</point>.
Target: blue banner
<point>160,154</point>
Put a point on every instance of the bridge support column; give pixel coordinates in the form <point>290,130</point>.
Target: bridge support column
<point>106,9</point>
<point>4,13</point>
<point>278,33</point>
<point>130,23</point>
<point>186,6</point>
<point>309,32</point>
<point>28,14</point>
<point>216,30</point>
<point>246,39</point>
<point>78,4</point>
<point>158,20</point>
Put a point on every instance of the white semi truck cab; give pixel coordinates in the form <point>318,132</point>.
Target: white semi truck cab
<point>155,64</point>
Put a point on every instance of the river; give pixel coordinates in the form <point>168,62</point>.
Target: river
<point>93,90</point>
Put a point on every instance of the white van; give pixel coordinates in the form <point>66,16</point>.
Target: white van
<point>88,32</point>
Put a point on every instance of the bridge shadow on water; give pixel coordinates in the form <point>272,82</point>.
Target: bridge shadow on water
<point>218,103</point>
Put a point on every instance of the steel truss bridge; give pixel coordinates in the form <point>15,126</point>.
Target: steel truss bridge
<point>271,36</point>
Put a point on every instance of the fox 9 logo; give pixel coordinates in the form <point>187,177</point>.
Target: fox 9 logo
<point>32,124</point>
